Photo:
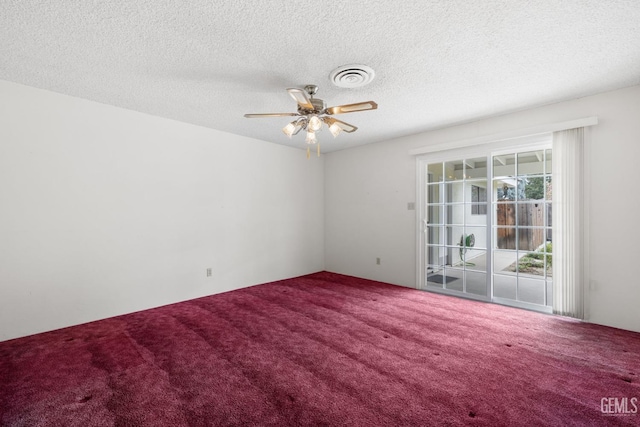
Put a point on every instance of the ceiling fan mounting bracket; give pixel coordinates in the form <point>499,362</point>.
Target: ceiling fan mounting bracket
<point>311,90</point>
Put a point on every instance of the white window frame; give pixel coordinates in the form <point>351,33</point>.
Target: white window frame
<point>533,142</point>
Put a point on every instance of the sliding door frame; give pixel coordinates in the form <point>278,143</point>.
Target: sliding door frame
<point>544,145</point>
<point>421,214</point>
<point>483,150</point>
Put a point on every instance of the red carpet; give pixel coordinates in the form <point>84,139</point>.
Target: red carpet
<point>323,350</point>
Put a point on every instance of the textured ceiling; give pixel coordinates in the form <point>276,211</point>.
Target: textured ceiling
<point>437,63</point>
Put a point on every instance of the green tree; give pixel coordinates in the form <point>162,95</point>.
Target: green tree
<point>534,189</point>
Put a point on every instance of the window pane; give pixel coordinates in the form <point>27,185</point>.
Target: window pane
<point>505,238</point>
<point>549,235</point>
<point>434,195</point>
<point>504,190</point>
<point>434,172</point>
<point>504,262</point>
<point>435,257</point>
<point>531,188</point>
<point>435,279</point>
<point>454,279</point>
<point>549,215</point>
<point>476,190</point>
<point>476,209</point>
<point>504,286</point>
<point>434,235</point>
<point>435,214</point>
<point>454,234</point>
<point>466,253</point>
<point>454,171</point>
<point>548,192</point>
<point>531,290</point>
<point>476,168</point>
<point>531,163</point>
<point>548,260</point>
<point>549,164</point>
<point>476,193</point>
<point>455,192</point>
<point>476,260</point>
<point>531,239</point>
<point>531,264</point>
<point>455,214</point>
<point>476,283</point>
<point>476,237</point>
<point>530,214</point>
<point>504,165</point>
<point>505,214</point>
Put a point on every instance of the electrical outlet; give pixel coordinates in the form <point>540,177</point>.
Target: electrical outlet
<point>378,261</point>
<point>208,272</point>
<point>411,206</point>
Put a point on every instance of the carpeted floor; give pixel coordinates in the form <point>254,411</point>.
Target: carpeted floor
<point>322,350</point>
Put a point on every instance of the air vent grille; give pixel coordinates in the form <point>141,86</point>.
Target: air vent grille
<point>350,76</point>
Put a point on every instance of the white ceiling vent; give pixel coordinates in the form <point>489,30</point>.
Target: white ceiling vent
<point>354,75</point>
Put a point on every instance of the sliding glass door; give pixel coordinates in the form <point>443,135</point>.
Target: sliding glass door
<point>522,256</point>
<point>456,226</point>
<point>485,225</point>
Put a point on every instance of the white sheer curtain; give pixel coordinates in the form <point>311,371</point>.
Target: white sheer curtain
<point>567,217</point>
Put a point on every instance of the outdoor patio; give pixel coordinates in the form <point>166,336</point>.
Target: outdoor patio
<point>507,284</point>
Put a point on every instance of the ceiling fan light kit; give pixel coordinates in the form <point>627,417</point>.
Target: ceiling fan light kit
<point>313,112</point>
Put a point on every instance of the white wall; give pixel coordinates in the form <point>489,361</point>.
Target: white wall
<point>367,190</point>
<point>106,211</point>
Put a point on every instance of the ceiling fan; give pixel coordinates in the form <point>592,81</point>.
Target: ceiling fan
<point>312,112</point>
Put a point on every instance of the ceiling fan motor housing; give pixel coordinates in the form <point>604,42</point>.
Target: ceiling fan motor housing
<point>318,107</point>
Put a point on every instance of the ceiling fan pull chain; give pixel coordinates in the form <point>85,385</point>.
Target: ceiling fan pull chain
<point>318,149</point>
<point>308,152</point>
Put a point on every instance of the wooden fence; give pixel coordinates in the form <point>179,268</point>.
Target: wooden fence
<point>529,215</point>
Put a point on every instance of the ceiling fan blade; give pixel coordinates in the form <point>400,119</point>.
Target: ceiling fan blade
<point>346,127</point>
<point>351,108</point>
<point>301,97</point>
<point>255,116</point>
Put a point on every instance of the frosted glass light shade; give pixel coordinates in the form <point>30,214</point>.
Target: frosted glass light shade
<point>314,123</point>
<point>311,138</point>
<point>289,129</point>
<point>335,130</point>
